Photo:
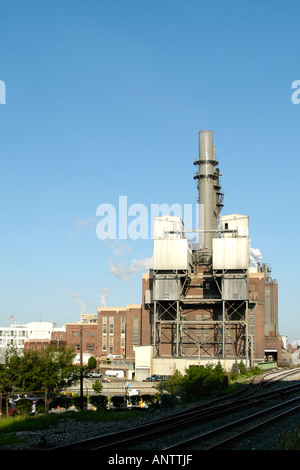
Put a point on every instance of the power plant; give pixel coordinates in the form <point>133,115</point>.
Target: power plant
<point>201,302</point>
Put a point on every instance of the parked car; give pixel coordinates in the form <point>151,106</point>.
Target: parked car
<point>12,410</point>
<point>13,398</point>
<point>155,378</point>
<point>94,375</point>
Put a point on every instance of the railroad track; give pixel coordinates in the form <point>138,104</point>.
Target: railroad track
<point>224,436</point>
<point>211,413</point>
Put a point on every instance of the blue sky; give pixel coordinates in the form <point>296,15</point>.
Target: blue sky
<point>106,99</point>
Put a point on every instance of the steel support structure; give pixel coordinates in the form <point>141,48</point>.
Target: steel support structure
<point>167,312</point>
<point>223,334</point>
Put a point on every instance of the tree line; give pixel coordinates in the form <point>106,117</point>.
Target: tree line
<point>51,369</point>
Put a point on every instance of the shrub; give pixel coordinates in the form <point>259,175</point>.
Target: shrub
<point>168,401</point>
<point>255,370</point>
<point>150,399</point>
<point>233,376</point>
<point>79,402</point>
<point>242,368</point>
<point>198,381</point>
<point>61,402</point>
<point>118,401</point>
<point>40,406</point>
<point>99,401</point>
<point>134,400</point>
<point>97,386</point>
<point>24,406</point>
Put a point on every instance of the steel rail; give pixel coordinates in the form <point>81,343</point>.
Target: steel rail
<point>201,438</point>
<point>171,424</point>
<point>86,443</point>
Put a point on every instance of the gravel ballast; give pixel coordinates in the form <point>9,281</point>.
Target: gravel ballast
<point>70,430</point>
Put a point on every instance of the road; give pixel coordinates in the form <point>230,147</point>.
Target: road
<point>116,387</point>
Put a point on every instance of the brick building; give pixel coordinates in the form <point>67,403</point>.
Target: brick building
<point>36,344</point>
<point>58,337</point>
<point>263,292</point>
<point>83,336</point>
<point>201,311</point>
<point>121,329</point>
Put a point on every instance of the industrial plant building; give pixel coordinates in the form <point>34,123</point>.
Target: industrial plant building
<point>201,302</point>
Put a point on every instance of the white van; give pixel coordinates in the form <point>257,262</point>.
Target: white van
<point>115,373</point>
<point>133,392</point>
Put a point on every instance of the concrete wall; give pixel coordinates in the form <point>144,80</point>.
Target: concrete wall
<point>167,366</point>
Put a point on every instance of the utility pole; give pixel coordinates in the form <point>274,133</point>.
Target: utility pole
<point>81,371</point>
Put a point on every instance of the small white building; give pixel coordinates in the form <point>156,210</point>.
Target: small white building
<point>40,330</point>
<point>16,334</point>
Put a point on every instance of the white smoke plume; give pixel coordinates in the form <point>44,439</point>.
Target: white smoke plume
<point>87,223</point>
<point>255,255</point>
<point>76,297</point>
<point>120,271</point>
<point>104,296</point>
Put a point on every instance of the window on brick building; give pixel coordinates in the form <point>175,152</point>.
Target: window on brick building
<point>123,325</point>
<point>135,331</point>
<point>111,344</point>
<point>104,325</point>
<point>111,326</point>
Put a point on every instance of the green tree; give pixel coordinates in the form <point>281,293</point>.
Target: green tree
<point>97,386</point>
<point>11,370</point>
<point>92,363</point>
<point>50,369</point>
<point>172,384</point>
<point>196,382</point>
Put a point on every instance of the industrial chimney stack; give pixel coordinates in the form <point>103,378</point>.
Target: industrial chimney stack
<point>210,198</point>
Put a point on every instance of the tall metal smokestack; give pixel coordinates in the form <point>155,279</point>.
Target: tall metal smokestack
<point>210,197</point>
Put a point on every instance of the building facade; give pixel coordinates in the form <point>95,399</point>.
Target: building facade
<point>203,334</point>
<point>32,335</point>
<point>119,330</point>
<point>83,337</point>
